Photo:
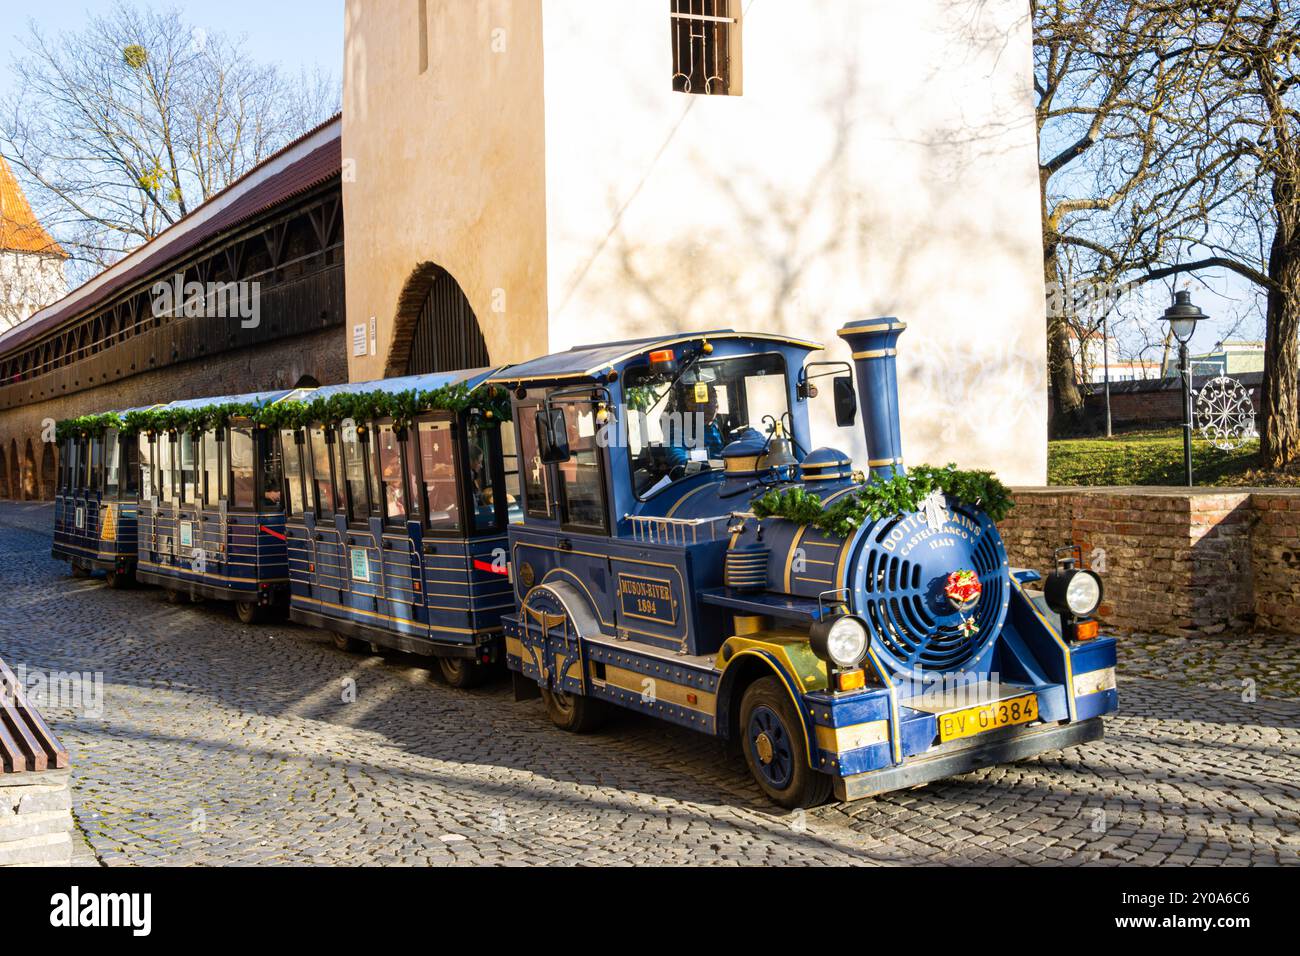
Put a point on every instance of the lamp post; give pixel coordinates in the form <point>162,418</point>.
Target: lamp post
<point>1182,317</point>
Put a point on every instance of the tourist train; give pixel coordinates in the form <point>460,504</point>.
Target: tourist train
<point>643,524</point>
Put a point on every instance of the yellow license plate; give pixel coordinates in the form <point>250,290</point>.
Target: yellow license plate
<point>976,720</point>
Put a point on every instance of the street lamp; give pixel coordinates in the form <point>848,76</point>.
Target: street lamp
<point>1182,317</point>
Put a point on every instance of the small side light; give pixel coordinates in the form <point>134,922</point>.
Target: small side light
<point>1086,630</point>
<point>851,680</point>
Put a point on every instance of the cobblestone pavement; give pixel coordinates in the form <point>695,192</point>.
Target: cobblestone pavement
<point>219,743</point>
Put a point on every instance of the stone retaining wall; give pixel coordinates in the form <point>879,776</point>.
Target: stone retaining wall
<point>1175,560</point>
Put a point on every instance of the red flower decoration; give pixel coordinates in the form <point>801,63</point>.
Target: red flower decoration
<point>963,589</point>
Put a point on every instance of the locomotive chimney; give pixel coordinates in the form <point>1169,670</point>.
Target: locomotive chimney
<point>874,344</point>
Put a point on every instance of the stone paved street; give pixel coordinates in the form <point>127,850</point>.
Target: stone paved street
<point>219,743</point>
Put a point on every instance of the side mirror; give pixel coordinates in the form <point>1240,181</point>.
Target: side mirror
<point>552,436</point>
<point>846,401</point>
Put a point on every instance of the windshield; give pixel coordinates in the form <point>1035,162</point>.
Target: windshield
<point>679,428</point>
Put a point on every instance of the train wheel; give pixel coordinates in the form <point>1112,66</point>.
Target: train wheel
<point>117,579</point>
<point>772,738</point>
<point>248,612</point>
<point>462,672</point>
<point>349,644</point>
<point>174,596</point>
<point>77,571</point>
<point>573,712</point>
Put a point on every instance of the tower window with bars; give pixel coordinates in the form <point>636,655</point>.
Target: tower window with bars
<point>706,46</point>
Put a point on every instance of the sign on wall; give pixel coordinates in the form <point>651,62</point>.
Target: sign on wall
<point>360,565</point>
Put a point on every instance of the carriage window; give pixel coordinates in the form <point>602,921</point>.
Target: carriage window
<point>165,483</point>
<point>354,452</point>
<point>188,463</point>
<point>112,465</point>
<point>582,487</point>
<point>292,471</point>
<point>241,468</point>
<point>212,468</point>
<point>272,490</point>
<point>130,476</point>
<point>390,474</point>
<point>95,462</point>
<point>510,466</point>
<point>68,467</point>
<point>537,493</point>
<point>438,467</point>
<point>147,489</point>
<point>320,464</point>
<point>484,467</point>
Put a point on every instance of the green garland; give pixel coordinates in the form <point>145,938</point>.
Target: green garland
<point>488,406</point>
<point>879,498</point>
<point>90,426</point>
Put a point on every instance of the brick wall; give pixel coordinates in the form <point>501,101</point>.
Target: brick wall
<point>1175,561</point>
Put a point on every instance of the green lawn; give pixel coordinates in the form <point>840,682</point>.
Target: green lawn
<point>1154,458</point>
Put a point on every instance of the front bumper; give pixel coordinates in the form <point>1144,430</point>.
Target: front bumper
<point>960,756</point>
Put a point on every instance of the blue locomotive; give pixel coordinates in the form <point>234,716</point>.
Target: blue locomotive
<point>858,659</point>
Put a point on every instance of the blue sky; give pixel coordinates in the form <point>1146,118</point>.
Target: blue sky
<point>293,33</point>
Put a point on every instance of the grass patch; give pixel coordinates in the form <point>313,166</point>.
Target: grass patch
<point>1155,458</point>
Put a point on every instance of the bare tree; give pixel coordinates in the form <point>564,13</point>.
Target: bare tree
<point>125,127</point>
<point>1105,80</point>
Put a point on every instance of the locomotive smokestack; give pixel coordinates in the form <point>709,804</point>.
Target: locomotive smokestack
<point>874,344</point>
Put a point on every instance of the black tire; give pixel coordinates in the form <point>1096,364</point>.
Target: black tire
<point>77,571</point>
<point>117,579</point>
<point>462,672</point>
<point>348,644</point>
<point>772,739</point>
<point>174,596</point>
<point>248,612</point>
<point>576,713</point>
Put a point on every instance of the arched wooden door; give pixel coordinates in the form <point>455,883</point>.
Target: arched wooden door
<point>436,327</point>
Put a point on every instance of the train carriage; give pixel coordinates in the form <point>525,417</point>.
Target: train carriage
<point>96,500</point>
<point>396,528</point>
<point>211,516</point>
<point>652,572</point>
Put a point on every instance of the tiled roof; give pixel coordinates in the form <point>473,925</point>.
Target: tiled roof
<point>20,230</point>
<point>308,161</point>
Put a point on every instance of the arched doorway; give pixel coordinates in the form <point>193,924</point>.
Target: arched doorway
<point>49,468</point>
<point>306,381</point>
<point>436,329</point>
<point>30,491</point>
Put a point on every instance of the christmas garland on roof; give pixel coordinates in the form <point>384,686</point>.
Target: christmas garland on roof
<point>89,426</point>
<point>881,497</point>
<point>487,405</point>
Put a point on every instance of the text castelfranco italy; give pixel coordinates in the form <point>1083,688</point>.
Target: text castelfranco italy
<point>957,525</point>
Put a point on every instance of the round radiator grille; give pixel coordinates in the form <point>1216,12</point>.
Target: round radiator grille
<point>902,570</point>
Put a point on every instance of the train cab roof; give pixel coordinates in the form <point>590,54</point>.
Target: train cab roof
<point>595,361</point>
<point>470,378</point>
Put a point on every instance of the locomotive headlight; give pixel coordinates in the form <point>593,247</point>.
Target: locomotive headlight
<point>841,641</point>
<point>1073,591</point>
